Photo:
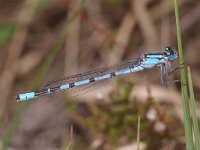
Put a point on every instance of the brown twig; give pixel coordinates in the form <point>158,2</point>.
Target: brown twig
<point>93,25</point>
<point>72,44</point>
<point>70,137</point>
<point>11,67</point>
<point>146,23</point>
<point>165,26</point>
<point>123,37</point>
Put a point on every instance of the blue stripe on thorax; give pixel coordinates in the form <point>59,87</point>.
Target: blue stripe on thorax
<point>151,60</point>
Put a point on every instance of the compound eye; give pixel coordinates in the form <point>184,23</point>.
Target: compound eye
<point>167,48</point>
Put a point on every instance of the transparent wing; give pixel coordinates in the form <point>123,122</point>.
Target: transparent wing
<point>92,74</point>
<point>80,90</point>
<point>77,91</point>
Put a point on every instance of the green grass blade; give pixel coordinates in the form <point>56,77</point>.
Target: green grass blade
<point>193,111</point>
<point>138,134</point>
<point>185,102</point>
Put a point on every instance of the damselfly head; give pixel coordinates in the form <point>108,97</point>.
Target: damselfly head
<point>170,53</point>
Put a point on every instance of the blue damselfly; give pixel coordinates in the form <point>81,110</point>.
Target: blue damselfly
<point>146,61</point>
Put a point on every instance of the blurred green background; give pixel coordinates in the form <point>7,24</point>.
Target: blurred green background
<point>45,40</point>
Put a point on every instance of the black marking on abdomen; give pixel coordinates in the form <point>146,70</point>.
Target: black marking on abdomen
<point>91,80</point>
<point>55,89</point>
<point>45,91</point>
<point>71,85</point>
<point>112,74</point>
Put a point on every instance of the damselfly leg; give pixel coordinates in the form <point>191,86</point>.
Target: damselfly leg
<point>171,70</point>
<point>163,75</point>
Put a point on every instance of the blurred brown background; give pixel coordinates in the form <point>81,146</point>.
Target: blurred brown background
<point>82,36</point>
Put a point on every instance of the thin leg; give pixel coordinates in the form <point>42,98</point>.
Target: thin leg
<point>163,80</point>
<point>161,74</point>
<point>171,70</point>
<point>164,73</point>
<point>170,82</point>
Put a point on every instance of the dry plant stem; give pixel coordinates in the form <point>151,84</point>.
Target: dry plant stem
<point>69,137</point>
<point>72,45</point>
<point>8,76</point>
<point>95,40</point>
<point>95,12</point>
<point>89,48</point>
<point>111,38</point>
<point>33,59</point>
<point>123,36</point>
<point>165,26</point>
<point>127,26</point>
<point>30,61</point>
<point>146,23</point>
<point>94,26</point>
<point>163,11</point>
